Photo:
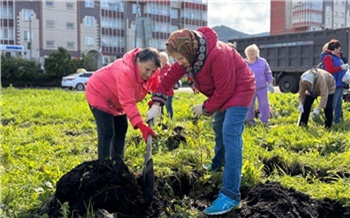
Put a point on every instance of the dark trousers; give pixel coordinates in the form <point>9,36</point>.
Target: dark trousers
<point>328,111</point>
<point>111,131</point>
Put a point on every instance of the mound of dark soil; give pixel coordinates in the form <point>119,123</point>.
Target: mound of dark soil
<point>102,185</point>
<point>109,189</point>
<point>272,200</point>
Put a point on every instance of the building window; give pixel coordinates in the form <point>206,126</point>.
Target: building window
<point>89,3</point>
<point>89,21</point>
<point>26,14</point>
<point>6,12</point>
<point>69,5</point>
<point>50,23</point>
<point>26,35</point>
<point>6,33</point>
<point>70,44</point>
<point>89,40</point>
<point>50,43</point>
<point>174,13</point>
<point>69,25</point>
<point>49,3</point>
<point>136,9</point>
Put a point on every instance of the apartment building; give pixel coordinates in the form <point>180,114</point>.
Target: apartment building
<point>102,29</point>
<point>288,16</point>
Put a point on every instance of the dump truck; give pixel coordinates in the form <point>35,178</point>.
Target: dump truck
<point>289,55</point>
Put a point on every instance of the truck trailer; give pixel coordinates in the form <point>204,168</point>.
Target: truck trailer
<point>290,55</point>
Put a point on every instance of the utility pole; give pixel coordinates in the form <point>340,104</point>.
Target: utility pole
<point>136,16</point>
<point>30,37</point>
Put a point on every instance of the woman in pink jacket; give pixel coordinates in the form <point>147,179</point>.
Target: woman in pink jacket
<point>112,93</point>
<point>220,73</point>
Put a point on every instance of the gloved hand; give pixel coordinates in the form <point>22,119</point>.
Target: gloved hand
<point>315,113</point>
<point>344,66</point>
<point>145,130</point>
<point>271,89</point>
<point>153,112</point>
<point>197,111</point>
<point>301,108</point>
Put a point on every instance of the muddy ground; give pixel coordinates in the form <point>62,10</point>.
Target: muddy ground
<point>109,189</point>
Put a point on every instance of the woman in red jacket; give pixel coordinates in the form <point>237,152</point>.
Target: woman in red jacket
<point>221,74</point>
<point>112,93</point>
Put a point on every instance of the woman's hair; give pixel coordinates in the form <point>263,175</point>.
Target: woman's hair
<point>252,47</point>
<point>164,55</point>
<point>333,44</point>
<point>148,54</point>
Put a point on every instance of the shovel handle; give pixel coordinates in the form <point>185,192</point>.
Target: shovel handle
<point>149,142</point>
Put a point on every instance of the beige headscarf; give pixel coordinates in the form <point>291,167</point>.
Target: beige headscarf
<point>184,42</point>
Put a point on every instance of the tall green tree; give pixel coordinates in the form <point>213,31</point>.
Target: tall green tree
<point>59,63</point>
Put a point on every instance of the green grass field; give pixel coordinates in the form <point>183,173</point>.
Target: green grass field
<point>46,133</point>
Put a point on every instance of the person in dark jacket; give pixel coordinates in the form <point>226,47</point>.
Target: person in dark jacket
<point>333,63</point>
<point>220,73</point>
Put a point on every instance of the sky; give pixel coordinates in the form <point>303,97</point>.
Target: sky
<point>249,16</point>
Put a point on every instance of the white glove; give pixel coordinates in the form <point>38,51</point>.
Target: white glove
<point>315,113</point>
<point>197,110</point>
<point>271,89</point>
<point>344,66</point>
<point>153,112</point>
<point>301,108</point>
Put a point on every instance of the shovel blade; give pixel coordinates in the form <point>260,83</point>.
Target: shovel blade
<point>148,178</point>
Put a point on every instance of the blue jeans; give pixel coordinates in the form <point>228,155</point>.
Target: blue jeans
<point>228,127</point>
<point>337,104</point>
<point>169,107</point>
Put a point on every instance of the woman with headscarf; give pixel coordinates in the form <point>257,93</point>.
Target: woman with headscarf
<point>333,63</point>
<point>112,93</point>
<point>220,73</point>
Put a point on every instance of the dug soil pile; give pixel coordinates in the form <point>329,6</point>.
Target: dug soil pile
<point>108,188</point>
<point>105,186</point>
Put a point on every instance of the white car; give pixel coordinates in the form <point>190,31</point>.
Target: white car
<point>76,81</point>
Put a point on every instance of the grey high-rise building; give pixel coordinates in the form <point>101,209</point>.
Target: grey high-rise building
<point>102,29</point>
<point>289,16</point>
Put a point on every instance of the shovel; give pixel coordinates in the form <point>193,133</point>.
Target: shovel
<point>148,171</point>
<point>299,119</point>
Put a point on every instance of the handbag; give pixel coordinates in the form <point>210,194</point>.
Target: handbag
<point>346,77</point>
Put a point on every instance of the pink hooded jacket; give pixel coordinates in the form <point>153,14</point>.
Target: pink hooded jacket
<point>225,77</point>
<point>117,87</point>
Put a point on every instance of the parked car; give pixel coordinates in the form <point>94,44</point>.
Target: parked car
<point>77,80</point>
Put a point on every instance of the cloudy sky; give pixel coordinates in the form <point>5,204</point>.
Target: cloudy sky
<point>249,16</point>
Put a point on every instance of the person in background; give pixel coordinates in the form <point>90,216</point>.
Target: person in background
<point>165,66</point>
<point>263,79</point>
<point>333,63</point>
<point>313,83</point>
<point>112,93</point>
<point>221,74</point>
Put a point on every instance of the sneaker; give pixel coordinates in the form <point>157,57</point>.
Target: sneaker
<point>209,168</point>
<point>221,205</point>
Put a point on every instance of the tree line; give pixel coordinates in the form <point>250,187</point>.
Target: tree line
<point>19,72</point>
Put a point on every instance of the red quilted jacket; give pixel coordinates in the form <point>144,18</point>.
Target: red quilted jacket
<point>225,77</point>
